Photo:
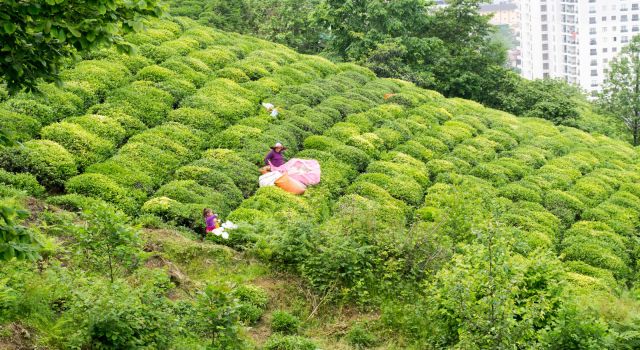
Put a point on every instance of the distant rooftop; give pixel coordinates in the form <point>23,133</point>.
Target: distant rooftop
<point>503,6</point>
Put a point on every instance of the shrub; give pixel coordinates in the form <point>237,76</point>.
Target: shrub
<point>155,53</point>
<point>130,124</point>
<point>101,186</point>
<point>253,301</point>
<point>212,178</point>
<point>197,118</point>
<point>360,338</point>
<point>225,99</point>
<point>22,181</point>
<point>235,136</point>
<point>352,156</point>
<point>233,73</point>
<point>148,159</point>
<point>19,126</point>
<point>189,191</point>
<point>190,69</point>
<point>321,143</point>
<point>438,147</point>
<point>289,342</point>
<point>413,174</point>
<point>284,322</point>
<point>144,101</point>
<point>86,148</point>
<point>30,107</point>
<point>391,138</point>
<point>522,191</point>
<point>243,173</point>
<point>106,127</point>
<point>400,187</point>
<point>564,205</point>
<point>215,57</point>
<point>74,201</point>
<point>342,131</point>
<point>182,46</point>
<point>125,175</point>
<point>100,75</point>
<point>47,160</point>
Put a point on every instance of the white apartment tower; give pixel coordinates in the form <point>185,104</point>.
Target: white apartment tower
<point>575,39</point>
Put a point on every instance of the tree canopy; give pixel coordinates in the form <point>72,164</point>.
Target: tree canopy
<point>621,93</point>
<point>37,36</point>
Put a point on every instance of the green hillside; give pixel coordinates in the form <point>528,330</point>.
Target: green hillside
<point>438,223</point>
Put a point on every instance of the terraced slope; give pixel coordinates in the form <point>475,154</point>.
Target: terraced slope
<point>408,181</point>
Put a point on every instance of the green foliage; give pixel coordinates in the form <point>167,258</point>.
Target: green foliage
<point>619,97</point>
<point>289,342</point>
<point>21,127</point>
<point>49,162</point>
<point>284,322</point>
<point>107,239</point>
<point>253,302</point>
<point>86,147</point>
<point>360,338</point>
<point>40,46</point>
<point>16,241</point>
<point>23,181</point>
<point>217,317</point>
<point>116,316</point>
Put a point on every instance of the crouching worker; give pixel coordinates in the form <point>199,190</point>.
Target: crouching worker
<point>211,221</point>
<point>274,158</point>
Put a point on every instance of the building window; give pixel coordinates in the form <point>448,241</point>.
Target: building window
<point>594,52</point>
<point>544,27</point>
<point>634,6</point>
<point>545,75</point>
<point>624,29</point>
<point>592,41</point>
<point>594,72</point>
<point>592,20</point>
<point>634,18</point>
<point>545,47</point>
<point>614,49</point>
<point>545,65</point>
<point>592,31</point>
<point>594,62</point>
<point>605,50</point>
<point>613,18</point>
<point>545,37</point>
<point>604,18</point>
<point>624,7</point>
<point>624,18</point>
<point>543,8</point>
<point>545,56</point>
<point>635,28</point>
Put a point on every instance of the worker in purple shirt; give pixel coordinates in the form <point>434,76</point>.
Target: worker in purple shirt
<point>274,158</point>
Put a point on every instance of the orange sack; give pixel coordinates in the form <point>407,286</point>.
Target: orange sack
<point>290,184</point>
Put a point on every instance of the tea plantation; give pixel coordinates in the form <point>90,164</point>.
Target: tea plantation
<point>438,223</point>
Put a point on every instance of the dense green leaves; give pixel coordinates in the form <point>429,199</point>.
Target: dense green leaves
<point>37,37</point>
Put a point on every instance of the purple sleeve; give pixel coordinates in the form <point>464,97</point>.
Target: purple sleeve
<point>268,157</point>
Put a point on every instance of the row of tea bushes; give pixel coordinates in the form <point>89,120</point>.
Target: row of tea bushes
<point>129,186</point>
<point>229,173</point>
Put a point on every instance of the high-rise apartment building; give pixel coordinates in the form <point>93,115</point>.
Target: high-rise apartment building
<point>575,39</point>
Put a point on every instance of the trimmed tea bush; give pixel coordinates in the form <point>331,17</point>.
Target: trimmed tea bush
<point>49,162</point>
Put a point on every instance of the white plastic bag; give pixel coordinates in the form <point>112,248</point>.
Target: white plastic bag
<point>268,106</point>
<point>269,179</point>
<point>274,113</point>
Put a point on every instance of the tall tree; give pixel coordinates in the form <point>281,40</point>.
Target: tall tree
<point>621,92</point>
<point>37,35</point>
